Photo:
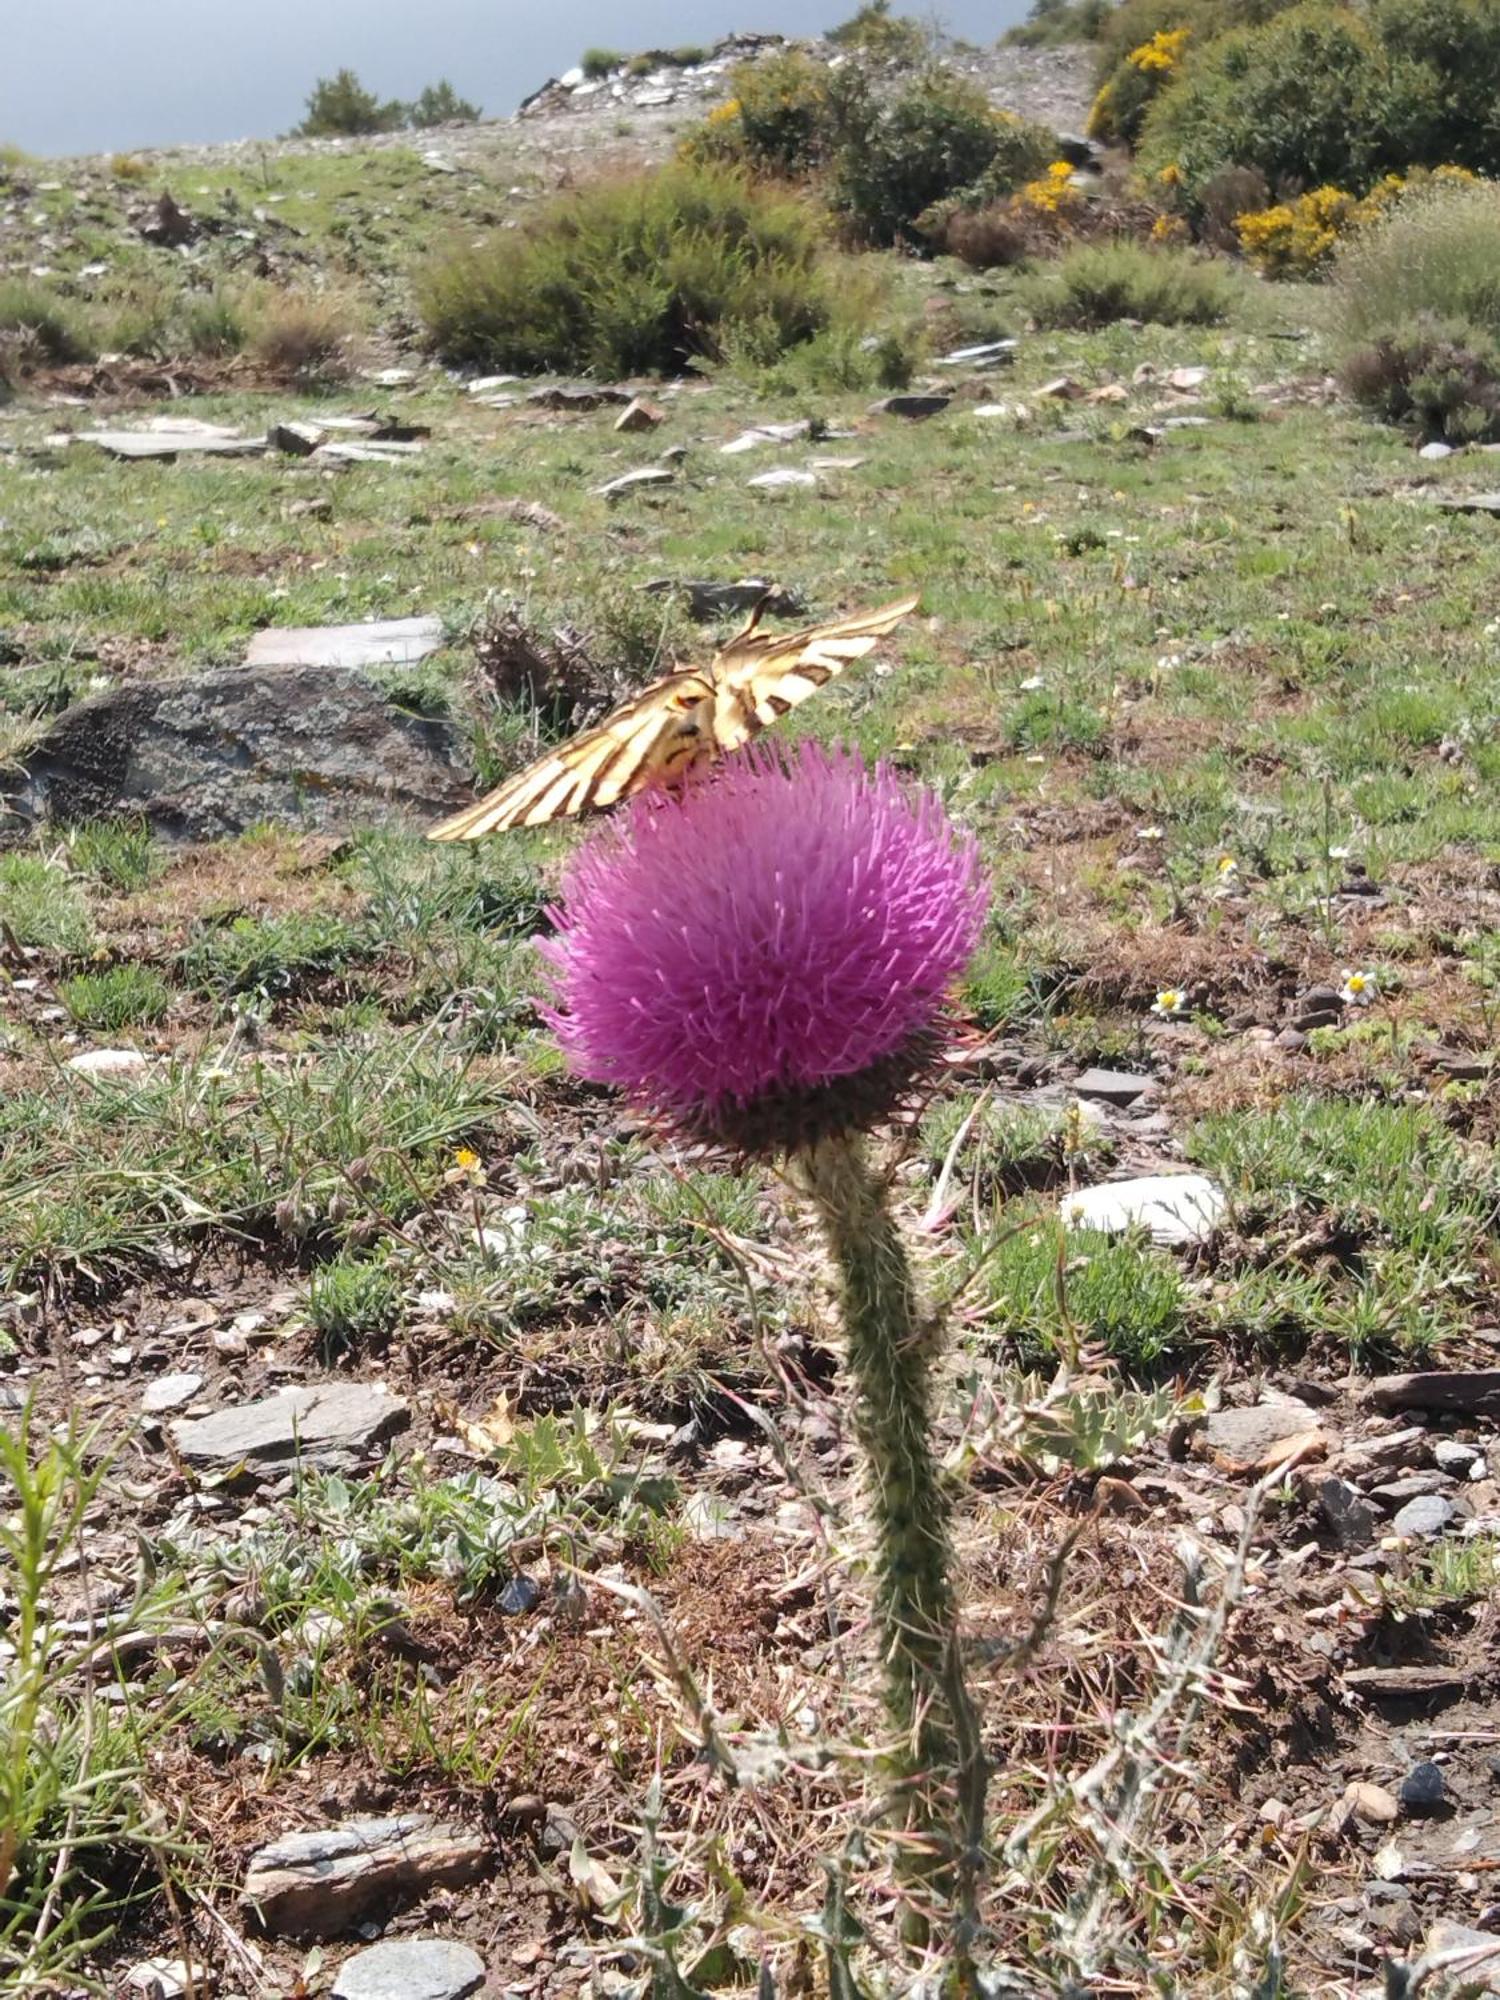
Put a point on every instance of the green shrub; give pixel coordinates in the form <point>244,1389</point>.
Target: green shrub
<point>124,996</point>
<point>935,140</point>
<point>1454,46</point>
<point>1052,23</point>
<point>340,105</point>
<point>440,104</point>
<point>597,63</point>
<point>642,274</point>
<point>303,337</point>
<point>1313,96</point>
<point>38,326</point>
<point>1435,252</point>
<point>1098,283</point>
<point>875,31</point>
<point>1441,377</point>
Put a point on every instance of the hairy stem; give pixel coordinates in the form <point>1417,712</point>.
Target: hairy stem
<point>891,1349</point>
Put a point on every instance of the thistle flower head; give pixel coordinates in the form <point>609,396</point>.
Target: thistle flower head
<point>763,960</point>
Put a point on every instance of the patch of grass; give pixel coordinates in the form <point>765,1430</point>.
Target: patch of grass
<point>1406,1206</point>
<point>1099,283</point>
<point>42,906</point>
<point>124,996</point>
<point>322,1147</point>
<point>353,1301</point>
<point>642,274</point>
<point>1049,1292</point>
<point>119,853</point>
<point>274,956</point>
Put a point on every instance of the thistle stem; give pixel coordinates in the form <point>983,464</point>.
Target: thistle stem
<point>891,1347</point>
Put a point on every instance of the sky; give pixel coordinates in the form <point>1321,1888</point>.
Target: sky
<point>89,76</point>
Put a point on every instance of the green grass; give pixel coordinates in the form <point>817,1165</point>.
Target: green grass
<point>42,907</point>
<point>126,996</point>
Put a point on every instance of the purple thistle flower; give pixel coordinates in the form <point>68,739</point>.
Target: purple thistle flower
<point>764,958</point>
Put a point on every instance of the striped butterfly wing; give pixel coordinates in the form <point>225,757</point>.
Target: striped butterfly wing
<point>759,676</point>
<point>652,739</point>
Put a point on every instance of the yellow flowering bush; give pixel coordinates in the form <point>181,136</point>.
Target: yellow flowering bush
<point>1119,110</point>
<point>1052,193</point>
<point>1161,55</point>
<point>1297,239</point>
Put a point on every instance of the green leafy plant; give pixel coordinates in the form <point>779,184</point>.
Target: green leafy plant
<point>645,273</point>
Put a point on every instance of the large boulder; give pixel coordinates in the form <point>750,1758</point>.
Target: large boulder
<point>208,755</point>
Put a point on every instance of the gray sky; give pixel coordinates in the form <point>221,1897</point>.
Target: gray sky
<point>83,76</point>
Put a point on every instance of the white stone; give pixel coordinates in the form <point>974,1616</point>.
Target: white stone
<point>785,475</point>
<point>109,1062</point>
<point>1175,1208</point>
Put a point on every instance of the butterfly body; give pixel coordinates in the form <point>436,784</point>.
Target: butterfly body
<point>679,724</point>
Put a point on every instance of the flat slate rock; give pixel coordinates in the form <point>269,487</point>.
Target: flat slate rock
<point>310,1419</point>
<point>631,482</point>
<point>411,1969</point>
<point>1476,1391</point>
<point>318,1882</point>
<point>785,475</point>
<point>170,437</point>
<point>379,642</point>
<point>1175,1208</point>
<point>1113,1086</point>
<point>204,756</point>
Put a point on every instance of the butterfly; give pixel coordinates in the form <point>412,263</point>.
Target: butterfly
<point>679,723</point>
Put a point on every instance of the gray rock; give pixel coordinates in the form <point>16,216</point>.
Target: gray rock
<point>1175,1208</point>
<point>1426,1516</point>
<point>724,600</point>
<point>1353,1520</point>
<point>1480,1948</point>
<point>410,1969</point>
<point>310,1419</point>
<point>1248,1436</point>
<point>1453,1456</point>
<point>1113,1086</point>
<point>316,1883</point>
<point>912,406</point>
<point>169,1392</point>
<point>1423,1791</point>
<point>206,755</point>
